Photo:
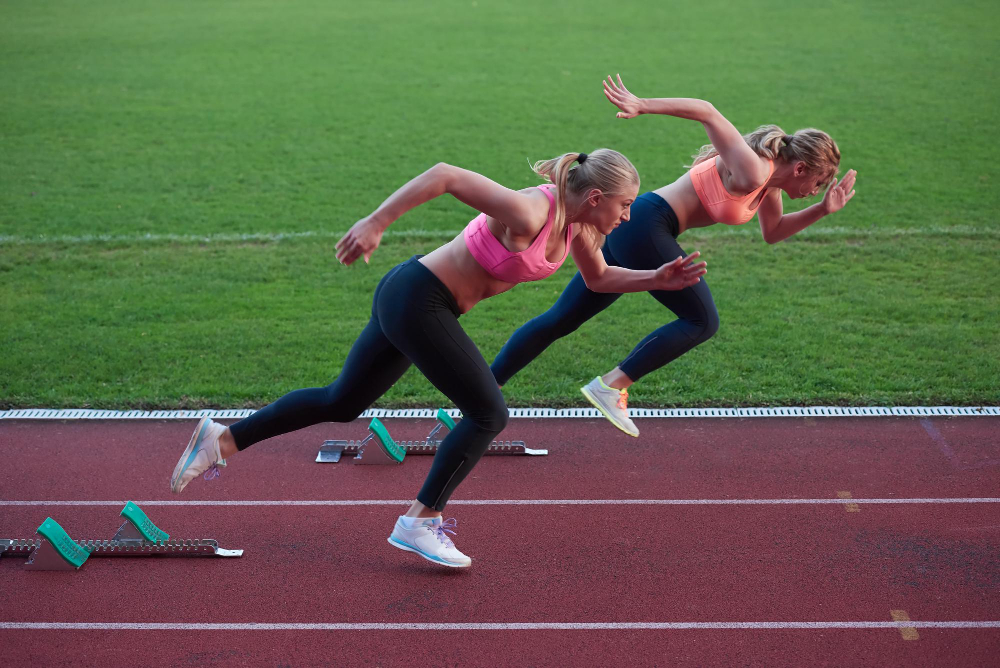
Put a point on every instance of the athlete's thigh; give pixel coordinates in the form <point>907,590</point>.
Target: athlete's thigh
<point>372,366</point>
<point>450,360</point>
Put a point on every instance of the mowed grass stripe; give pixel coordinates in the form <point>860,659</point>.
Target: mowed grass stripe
<point>239,324</point>
<point>810,234</point>
<point>208,117</point>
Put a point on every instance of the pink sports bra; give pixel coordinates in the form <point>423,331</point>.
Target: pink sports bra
<point>720,205</point>
<point>508,266</point>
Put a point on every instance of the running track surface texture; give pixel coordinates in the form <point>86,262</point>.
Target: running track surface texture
<point>784,541</point>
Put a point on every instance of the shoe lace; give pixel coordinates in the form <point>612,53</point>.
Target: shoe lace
<point>213,472</point>
<point>623,400</point>
<point>446,526</point>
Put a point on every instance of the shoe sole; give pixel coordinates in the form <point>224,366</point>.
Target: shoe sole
<point>598,406</point>
<point>410,548</point>
<point>179,469</point>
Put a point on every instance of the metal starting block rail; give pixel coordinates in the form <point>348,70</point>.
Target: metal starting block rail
<point>380,448</point>
<point>136,537</point>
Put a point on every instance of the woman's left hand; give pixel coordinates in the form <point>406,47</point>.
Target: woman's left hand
<point>621,98</point>
<point>839,194</point>
<point>362,239</point>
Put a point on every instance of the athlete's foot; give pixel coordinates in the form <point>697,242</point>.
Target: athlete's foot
<point>427,537</point>
<point>612,403</point>
<point>202,455</point>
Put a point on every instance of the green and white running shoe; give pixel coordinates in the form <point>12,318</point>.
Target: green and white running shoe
<point>202,455</point>
<point>612,403</point>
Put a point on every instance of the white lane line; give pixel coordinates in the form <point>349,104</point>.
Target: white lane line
<point>489,626</point>
<point>517,502</point>
<point>836,231</point>
<point>562,413</point>
<point>223,237</point>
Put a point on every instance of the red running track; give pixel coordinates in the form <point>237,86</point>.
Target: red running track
<point>602,564</point>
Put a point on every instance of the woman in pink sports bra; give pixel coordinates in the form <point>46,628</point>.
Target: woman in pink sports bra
<point>732,179</point>
<point>520,236</point>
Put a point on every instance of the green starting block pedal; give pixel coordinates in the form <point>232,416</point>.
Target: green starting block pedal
<point>443,420</point>
<point>136,537</point>
<point>138,526</point>
<point>332,451</point>
<point>56,551</point>
<point>387,452</point>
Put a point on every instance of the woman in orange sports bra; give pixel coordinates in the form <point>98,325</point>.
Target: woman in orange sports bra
<point>732,179</point>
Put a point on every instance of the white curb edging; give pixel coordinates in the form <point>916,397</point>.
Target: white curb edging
<point>583,413</point>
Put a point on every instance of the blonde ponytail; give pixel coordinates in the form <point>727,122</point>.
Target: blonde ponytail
<point>556,171</point>
<point>766,141</point>
<point>604,169</point>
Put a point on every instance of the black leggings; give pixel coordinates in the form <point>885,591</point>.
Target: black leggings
<point>414,320</point>
<point>646,241</point>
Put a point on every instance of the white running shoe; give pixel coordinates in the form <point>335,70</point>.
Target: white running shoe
<point>612,403</point>
<point>427,538</point>
<point>201,455</point>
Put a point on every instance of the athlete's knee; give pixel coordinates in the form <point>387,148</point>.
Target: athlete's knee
<point>490,417</point>
<point>343,413</point>
<point>339,407</point>
<point>497,417</point>
<point>702,328</point>
<point>710,324</point>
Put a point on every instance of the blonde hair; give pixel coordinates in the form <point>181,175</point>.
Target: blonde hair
<point>605,169</point>
<point>813,147</point>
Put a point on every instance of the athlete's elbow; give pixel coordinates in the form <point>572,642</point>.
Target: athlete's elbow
<point>441,174</point>
<point>708,112</point>
<point>595,283</point>
<point>770,234</point>
<point>442,169</point>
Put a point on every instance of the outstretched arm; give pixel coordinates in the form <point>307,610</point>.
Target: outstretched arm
<point>776,226</point>
<point>747,169</point>
<point>599,277</point>
<point>518,211</point>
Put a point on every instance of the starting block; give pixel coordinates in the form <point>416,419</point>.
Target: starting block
<point>380,448</point>
<point>54,550</point>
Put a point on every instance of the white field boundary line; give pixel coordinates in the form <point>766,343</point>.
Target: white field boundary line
<point>223,237</point>
<point>491,626</point>
<point>563,413</point>
<point>513,502</point>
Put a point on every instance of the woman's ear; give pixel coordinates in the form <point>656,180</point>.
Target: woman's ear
<point>594,196</point>
<point>800,168</point>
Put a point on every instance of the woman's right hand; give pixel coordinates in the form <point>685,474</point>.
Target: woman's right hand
<point>621,98</point>
<point>362,239</point>
<point>839,194</point>
<point>680,273</point>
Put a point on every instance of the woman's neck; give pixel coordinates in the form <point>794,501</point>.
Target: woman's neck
<point>782,172</point>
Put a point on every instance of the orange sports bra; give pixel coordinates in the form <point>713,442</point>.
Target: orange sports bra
<point>720,205</point>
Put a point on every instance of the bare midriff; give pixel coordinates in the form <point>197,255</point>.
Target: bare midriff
<point>682,198</point>
<point>467,281</point>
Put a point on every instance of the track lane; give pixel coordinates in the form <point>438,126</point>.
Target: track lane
<point>775,648</point>
<point>539,564</point>
<point>676,458</point>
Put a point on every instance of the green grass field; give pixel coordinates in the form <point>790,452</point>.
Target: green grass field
<point>174,176</point>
